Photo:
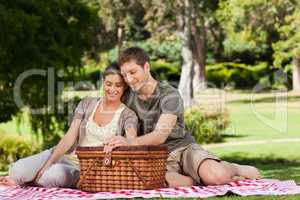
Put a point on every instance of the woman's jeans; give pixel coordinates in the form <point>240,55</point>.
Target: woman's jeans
<point>61,174</point>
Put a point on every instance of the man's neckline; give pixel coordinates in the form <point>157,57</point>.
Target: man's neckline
<point>153,95</point>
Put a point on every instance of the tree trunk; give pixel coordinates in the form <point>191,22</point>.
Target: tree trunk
<point>296,74</point>
<point>199,80</point>
<point>120,33</point>
<point>199,51</point>
<point>186,83</point>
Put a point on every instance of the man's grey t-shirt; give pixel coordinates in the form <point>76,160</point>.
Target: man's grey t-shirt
<point>165,100</point>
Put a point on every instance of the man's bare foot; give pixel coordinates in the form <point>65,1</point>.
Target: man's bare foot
<point>247,171</point>
<point>237,178</point>
<point>7,181</point>
<point>175,179</point>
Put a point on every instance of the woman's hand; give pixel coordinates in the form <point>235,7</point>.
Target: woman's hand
<point>108,148</point>
<point>115,141</point>
<point>40,173</point>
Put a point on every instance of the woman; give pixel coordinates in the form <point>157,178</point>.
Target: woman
<point>95,121</point>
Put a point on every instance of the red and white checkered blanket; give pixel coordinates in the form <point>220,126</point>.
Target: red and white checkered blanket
<point>243,188</point>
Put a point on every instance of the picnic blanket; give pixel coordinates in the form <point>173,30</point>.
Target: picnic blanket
<point>242,188</point>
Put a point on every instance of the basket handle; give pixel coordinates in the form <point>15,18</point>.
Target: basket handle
<point>136,172</point>
<point>86,172</point>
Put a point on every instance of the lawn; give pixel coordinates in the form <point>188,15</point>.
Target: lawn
<point>263,119</point>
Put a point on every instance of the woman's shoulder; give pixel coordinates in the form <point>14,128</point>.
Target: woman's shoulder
<point>86,101</point>
<point>128,112</point>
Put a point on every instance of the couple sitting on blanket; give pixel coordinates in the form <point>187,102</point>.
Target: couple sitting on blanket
<point>148,107</point>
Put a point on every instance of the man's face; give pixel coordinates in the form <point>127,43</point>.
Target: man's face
<point>136,76</point>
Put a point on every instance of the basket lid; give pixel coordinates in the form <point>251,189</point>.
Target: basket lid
<point>128,148</point>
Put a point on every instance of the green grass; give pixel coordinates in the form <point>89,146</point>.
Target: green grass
<point>260,120</point>
<point>269,151</point>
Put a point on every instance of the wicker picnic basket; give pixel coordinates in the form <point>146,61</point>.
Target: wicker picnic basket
<point>127,167</point>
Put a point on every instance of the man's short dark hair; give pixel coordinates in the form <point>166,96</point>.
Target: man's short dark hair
<point>134,54</point>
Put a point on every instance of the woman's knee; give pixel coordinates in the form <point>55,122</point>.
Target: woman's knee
<point>59,175</point>
<point>53,177</point>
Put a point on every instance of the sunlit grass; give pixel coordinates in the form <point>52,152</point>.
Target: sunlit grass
<point>263,120</point>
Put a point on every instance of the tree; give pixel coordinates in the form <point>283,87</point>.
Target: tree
<point>49,36</point>
<point>287,49</point>
<point>250,26</point>
<point>188,20</point>
<point>122,18</point>
<point>253,27</point>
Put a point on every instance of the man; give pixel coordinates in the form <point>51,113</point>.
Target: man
<point>160,111</point>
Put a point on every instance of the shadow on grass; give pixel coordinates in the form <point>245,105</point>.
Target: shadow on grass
<point>233,136</point>
<point>265,100</point>
<point>270,165</point>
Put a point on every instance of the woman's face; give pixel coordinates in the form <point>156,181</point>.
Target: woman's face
<point>114,87</point>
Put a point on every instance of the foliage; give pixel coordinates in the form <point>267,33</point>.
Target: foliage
<point>162,70</point>
<point>250,27</point>
<point>52,126</point>
<point>238,75</point>
<point>168,50</point>
<point>289,45</point>
<point>49,36</point>
<point>206,125</point>
<point>14,147</point>
<point>123,14</point>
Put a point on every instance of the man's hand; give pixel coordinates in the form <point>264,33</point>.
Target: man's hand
<point>115,141</point>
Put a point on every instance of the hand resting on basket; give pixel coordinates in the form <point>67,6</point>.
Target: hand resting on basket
<point>115,141</point>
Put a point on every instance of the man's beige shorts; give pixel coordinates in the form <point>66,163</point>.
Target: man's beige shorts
<point>187,160</point>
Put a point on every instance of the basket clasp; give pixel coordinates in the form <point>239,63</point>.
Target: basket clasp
<point>107,160</point>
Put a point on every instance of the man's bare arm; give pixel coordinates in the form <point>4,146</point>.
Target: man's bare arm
<point>166,123</point>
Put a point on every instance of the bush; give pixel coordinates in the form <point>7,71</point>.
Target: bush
<point>13,147</point>
<point>163,70</point>
<point>241,75</point>
<point>206,126</point>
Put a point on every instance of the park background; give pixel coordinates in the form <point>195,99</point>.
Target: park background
<point>236,64</point>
